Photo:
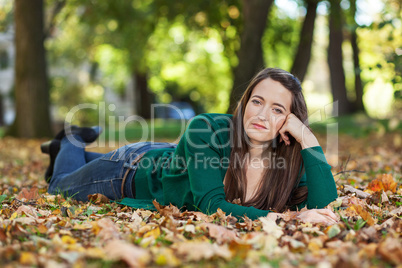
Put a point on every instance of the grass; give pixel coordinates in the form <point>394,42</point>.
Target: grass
<point>358,125</point>
<point>163,129</point>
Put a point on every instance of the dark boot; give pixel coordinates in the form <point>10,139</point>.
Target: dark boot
<point>51,148</point>
<point>88,134</point>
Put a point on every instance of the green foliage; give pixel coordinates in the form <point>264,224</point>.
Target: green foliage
<point>6,14</point>
<point>280,39</point>
<point>190,64</point>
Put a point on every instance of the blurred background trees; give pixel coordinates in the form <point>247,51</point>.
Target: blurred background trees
<point>125,55</point>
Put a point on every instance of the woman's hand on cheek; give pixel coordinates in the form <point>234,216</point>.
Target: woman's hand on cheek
<point>298,130</point>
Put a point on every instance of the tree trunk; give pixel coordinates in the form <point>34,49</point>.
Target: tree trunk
<point>143,98</point>
<point>250,54</point>
<point>303,55</point>
<point>335,60</point>
<point>358,103</point>
<point>1,110</point>
<point>31,85</point>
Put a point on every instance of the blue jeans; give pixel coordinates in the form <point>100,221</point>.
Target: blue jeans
<point>78,173</point>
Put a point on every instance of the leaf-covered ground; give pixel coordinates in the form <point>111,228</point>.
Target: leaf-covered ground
<point>38,229</point>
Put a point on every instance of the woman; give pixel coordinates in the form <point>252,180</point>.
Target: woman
<point>264,157</point>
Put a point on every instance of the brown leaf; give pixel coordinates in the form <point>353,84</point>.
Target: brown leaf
<point>106,229</point>
<point>391,250</point>
<point>196,250</point>
<point>364,214</point>
<point>239,249</point>
<point>133,255</point>
<point>246,224</point>
<point>98,198</point>
<point>28,211</point>
<point>31,194</point>
<point>220,233</point>
<point>167,210</point>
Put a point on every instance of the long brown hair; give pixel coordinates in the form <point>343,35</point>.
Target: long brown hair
<point>277,189</point>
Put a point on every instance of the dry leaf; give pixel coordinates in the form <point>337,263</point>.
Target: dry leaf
<point>196,251</point>
<point>391,250</point>
<point>270,227</point>
<point>167,210</point>
<point>98,199</point>
<point>133,255</point>
<point>106,229</point>
<point>220,233</point>
<point>364,214</point>
<point>383,182</point>
<point>26,194</point>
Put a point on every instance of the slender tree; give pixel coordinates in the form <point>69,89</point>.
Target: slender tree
<point>335,59</point>
<point>358,103</point>
<point>250,56</point>
<point>31,84</point>
<point>303,54</point>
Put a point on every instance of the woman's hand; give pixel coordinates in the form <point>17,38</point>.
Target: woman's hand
<point>323,216</point>
<point>298,130</point>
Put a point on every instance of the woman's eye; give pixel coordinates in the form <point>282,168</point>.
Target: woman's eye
<point>255,102</point>
<point>279,111</point>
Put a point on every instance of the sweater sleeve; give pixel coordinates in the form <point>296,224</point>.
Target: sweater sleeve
<point>318,178</point>
<point>204,158</point>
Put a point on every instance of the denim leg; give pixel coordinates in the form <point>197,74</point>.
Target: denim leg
<point>90,156</point>
<point>70,157</point>
<point>76,178</point>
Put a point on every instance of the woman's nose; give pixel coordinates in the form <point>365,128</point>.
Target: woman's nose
<point>261,117</point>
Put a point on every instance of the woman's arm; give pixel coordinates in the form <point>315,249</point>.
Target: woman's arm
<point>318,177</point>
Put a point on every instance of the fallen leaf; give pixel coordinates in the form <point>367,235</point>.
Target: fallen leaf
<point>167,210</point>
<point>106,229</point>
<point>196,251</point>
<point>364,214</point>
<point>133,255</point>
<point>28,258</point>
<point>31,194</point>
<point>270,227</point>
<point>333,230</point>
<point>391,250</point>
<point>98,198</point>
<point>383,182</point>
<point>220,233</point>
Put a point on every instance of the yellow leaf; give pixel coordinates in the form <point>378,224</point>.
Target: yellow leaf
<point>95,253</point>
<point>84,226</point>
<point>13,216</point>
<point>166,257</point>
<point>155,233</point>
<point>315,244</point>
<point>364,214</point>
<point>66,239</point>
<point>27,258</point>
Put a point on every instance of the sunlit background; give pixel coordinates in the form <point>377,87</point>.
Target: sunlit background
<point>91,56</point>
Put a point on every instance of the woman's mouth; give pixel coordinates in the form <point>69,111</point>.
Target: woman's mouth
<point>258,126</point>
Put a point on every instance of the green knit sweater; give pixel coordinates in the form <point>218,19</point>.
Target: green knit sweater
<point>191,175</point>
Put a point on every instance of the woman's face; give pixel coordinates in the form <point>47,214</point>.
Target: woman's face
<point>266,111</point>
